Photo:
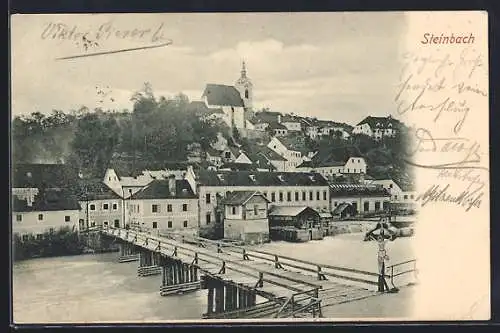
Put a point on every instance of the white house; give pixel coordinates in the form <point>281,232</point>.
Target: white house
<point>292,123</point>
<point>50,210</point>
<point>293,149</point>
<point>377,127</point>
<point>399,194</point>
<point>164,206</point>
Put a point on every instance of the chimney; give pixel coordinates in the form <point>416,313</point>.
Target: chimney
<point>279,119</point>
<point>171,185</point>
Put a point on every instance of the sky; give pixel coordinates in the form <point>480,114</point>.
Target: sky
<point>337,66</point>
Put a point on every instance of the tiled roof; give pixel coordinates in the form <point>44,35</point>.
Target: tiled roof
<point>159,189</point>
<point>340,190</point>
<point>48,200</point>
<point>93,190</point>
<point>247,178</point>
<point>295,143</point>
<point>218,94</point>
<point>265,151</point>
<point>233,166</point>
<point>334,156</point>
<point>277,126</point>
<point>267,116</point>
<point>240,197</point>
<point>43,175</point>
<point>201,109</point>
<point>382,122</point>
<point>289,211</point>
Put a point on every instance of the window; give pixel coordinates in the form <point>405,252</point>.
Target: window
<point>265,194</point>
<point>209,218</point>
<point>234,210</point>
<point>411,196</point>
<point>324,195</point>
<point>169,208</point>
<point>395,197</point>
<point>310,195</point>
<point>256,210</point>
<point>390,185</point>
<point>405,197</point>
<point>296,196</point>
<point>92,224</point>
<point>105,206</point>
<point>155,225</point>
<point>105,222</point>
<point>335,203</point>
<point>303,195</point>
<point>317,195</point>
<point>26,238</point>
<point>67,218</point>
<point>281,196</point>
<point>273,197</point>
<point>169,224</point>
<point>117,223</point>
<point>115,206</point>
<point>377,205</point>
<point>92,207</point>
<point>184,207</point>
<point>289,196</point>
<point>154,208</point>
<point>366,206</point>
<point>227,154</point>
<point>246,93</point>
<point>39,236</point>
<point>207,198</point>
<point>40,217</point>
<point>347,170</point>
<point>19,217</point>
<point>185,224</point>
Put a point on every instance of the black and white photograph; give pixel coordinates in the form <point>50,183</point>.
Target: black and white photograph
<point>234,167</point>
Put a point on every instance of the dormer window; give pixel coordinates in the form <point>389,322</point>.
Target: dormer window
<point>252,177</point>
<point>221,177</point>
<point>311,177</point>
<point>281,178</point>
<point>29,174</point>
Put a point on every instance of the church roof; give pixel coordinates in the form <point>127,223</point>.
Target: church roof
<point>218,94</point>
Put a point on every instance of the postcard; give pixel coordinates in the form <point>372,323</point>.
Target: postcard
<point>250,167</point>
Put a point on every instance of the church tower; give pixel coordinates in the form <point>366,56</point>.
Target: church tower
<point>245,87</point>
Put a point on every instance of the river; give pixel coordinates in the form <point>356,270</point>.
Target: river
<point>95,288</point>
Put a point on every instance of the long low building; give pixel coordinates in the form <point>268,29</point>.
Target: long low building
<point>358,199</point>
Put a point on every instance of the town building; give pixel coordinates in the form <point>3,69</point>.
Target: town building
<point>335,161</point>
<point>167,205</point>
<point>51,210</point>
<point>292,148</point>
<point>245,217</point>
<point>298,223</point>
<point>377,127</point>
<point>100,206</point>
<point>400,193</point>
<point>292,123</point>
<point>280,188</point>
<point>359,199</point>
<point>278,129</point>
<point>263,156</point>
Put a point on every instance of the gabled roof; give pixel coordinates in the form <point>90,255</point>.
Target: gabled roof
<point>159,189</point>
<point>233,166</point>
<point>267,116</point>
<point>333,156</point>
<point>201,109</point>
<point>213,152</point>
<point>277,126</point>
<point>218,94</point>
<point>382,122</point>
<point>294,142</point>
<point>289,211</point>
<point>43,175</point>
<point>241,197</point>
<point>290,119</point>
<point>248,178</point>
<point>48,200</point>
<point>93,189</point>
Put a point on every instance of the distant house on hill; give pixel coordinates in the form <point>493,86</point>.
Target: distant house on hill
<point>292,148</point>
<point>278,129</point>
<point>267,158</point>
<point>335,161</point>
<point>378,127</point>
<point>292,123</point>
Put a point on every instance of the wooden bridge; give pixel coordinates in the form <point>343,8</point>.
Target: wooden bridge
<point>235,275</point>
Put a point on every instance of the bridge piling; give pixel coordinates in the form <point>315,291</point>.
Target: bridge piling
<point>127,252</point>
<point>148,263</point>
<point>177,278</point>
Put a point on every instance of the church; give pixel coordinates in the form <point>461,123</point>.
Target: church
<point>232,104</point>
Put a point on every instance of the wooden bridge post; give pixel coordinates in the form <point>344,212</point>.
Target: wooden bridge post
<point>243,298</point>
<point>219,297</point>
<point>228,303</point>
<point>234,294</point>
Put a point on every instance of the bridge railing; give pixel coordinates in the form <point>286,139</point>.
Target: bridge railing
<point>207,257</point>
<point>402,270</point>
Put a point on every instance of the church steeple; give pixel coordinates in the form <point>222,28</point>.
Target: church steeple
<point>244,86</point>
